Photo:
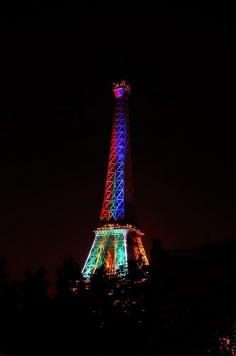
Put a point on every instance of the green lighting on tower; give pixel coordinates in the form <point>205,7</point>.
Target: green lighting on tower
<point>108,250</point>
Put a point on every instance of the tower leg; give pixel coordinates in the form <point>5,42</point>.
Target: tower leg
<point>109,250</point>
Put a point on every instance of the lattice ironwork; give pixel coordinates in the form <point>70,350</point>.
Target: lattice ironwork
<point>119,188</point>
<point>108,251</point>
<point>112,247</point>
<point>117,241</point>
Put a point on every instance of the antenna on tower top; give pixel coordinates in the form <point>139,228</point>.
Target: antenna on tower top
<point>120,70</point>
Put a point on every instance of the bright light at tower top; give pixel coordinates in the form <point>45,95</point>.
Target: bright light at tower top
<point>121,89</point>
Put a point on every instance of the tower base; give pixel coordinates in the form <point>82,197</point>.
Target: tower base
<point>114,245</point>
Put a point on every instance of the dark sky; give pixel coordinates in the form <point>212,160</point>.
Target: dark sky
<point>58,61</point>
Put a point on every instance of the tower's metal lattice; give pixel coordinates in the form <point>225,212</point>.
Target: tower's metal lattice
<point>117,242</point>
<point>119,188</point>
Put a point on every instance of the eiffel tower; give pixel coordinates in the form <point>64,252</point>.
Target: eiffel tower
<point>118,241</point>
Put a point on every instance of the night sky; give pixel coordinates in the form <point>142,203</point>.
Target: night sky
<point>58,62</point>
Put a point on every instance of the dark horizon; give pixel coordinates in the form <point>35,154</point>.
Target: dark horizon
<point>56,116</point>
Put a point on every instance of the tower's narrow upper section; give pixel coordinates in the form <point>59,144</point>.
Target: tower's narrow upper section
<point>118,197</point>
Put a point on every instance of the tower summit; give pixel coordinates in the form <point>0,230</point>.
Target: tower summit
<point>118,241</point>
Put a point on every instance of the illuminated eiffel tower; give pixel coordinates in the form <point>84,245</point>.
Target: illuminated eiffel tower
<point>118,241</point>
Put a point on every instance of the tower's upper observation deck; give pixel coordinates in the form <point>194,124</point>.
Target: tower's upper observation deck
<point>121,89</point>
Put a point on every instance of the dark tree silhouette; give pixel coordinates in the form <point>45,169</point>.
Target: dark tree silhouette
<point>69,279</point>
<point>35,288</point>
<point>186,308</point>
